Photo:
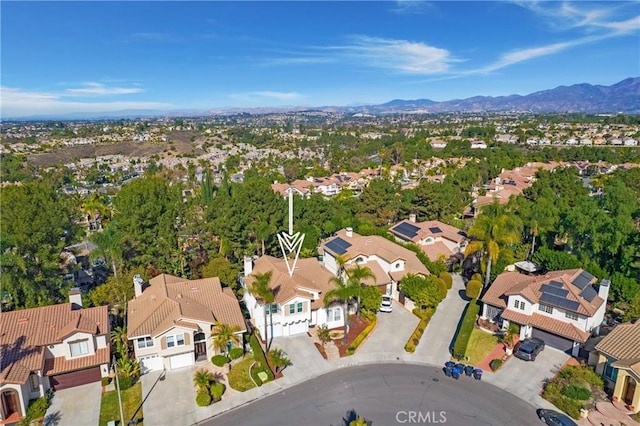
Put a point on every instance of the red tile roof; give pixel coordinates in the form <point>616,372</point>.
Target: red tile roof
<point>61,365</point>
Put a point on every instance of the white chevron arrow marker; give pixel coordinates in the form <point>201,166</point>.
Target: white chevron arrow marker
<point>290,242</point>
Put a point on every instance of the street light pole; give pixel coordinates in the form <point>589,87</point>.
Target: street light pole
<point>115,368</point>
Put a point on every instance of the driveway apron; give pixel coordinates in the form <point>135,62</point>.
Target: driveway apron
<point>77,406</point>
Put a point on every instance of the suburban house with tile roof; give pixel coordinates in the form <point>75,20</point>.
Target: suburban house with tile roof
<point>437,240</point>
<point>563,308</point>
<point>299,298</point>
<point>389,262</point>
<point>57,346</point>
<point>170,320</point>
<point>617,358</point>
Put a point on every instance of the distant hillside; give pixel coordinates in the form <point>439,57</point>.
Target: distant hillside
<point>620,97</point>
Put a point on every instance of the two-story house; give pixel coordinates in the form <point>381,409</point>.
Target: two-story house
<point>388,261</point>
<point>617,358</point>
<point>299,298</point>
<point>437,240</point>
<point>563,308</point>
<point>57,346</point>
<point>171,319</point>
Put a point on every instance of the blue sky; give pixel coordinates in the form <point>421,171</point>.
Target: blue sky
<point>68,57</point>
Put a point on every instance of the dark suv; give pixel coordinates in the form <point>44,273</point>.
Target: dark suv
<point>528,349</point>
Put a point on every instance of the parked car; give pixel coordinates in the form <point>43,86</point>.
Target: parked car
<point>555,418</point>
<point>528,349</point>
<point>386,305</point>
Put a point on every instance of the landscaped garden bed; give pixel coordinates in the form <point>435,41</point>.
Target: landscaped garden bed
<point>356,327</point>
<point>575,388</point>
<point>239,377</point>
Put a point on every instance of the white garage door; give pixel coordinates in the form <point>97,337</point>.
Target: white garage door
<point>183,360</point>
<point>151,363</point>
<point>276,331</point>
<point>297,328</point>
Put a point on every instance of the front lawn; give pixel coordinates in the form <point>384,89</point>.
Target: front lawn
<point>479,346</point>
<point>239,378</point>
<point>131,401</point>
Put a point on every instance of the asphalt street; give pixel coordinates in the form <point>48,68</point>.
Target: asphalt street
<point>387,394</point>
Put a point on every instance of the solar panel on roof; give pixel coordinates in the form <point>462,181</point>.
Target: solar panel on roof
<point>406,229</point>
<point>338,245</point>
<point>589,293</point>
<point>561,292</point>
<point>555,283</point>
<point>435,230</point>
<point>583,280</point>
<point>560,302</point>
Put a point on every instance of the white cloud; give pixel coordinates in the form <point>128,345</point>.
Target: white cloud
<point>16,102</point>
<point>99,89</point>
<point>408,7</point>
<point>399,55</point>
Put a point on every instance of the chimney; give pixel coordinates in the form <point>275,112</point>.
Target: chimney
<point>248,266</point>
<point>75,298</point>
<point>603,289</point>
<point>349,232</point>
<point>137,284</point>
<point>412,218</point>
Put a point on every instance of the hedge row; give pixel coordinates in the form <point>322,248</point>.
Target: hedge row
<point>258,355</point>
<point>466,327</point>
<point>425,317</point>
<point>356,342</point>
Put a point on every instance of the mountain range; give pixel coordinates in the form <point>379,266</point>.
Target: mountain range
<point>622,97</point>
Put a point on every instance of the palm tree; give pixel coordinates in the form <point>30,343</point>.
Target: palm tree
<point>261,289</point>
<point>223,334</point>
<point>492,230</point>
<point>279,359</point>
<point>202,379</point>
<point>356,279</point>
<point>119,339</point>
<point>342,292</point>
<point>108,243</point>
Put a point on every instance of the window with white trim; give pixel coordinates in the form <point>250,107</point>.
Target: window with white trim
<point>292,308</point>
<point>145,342</point>
<point>79,348</point>
<point>519,304</point>
<point>545,308</point>
<point>34,381</point>
<point>571,315</point>
<point>177,340</point>
<point>299,306</point>
<point>334,314</point>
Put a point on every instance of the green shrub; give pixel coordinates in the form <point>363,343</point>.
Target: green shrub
<point>360,338</point>
<point>466,327</point>
<point>495,364</point>
<point>258,355</point>
<point>442,286</point>
<point>473,289</point>
<point>105,381</point>
<point>217,390</point>
<point>203,399</point>
<point>424,315</point>
<point>570,406</point>
<point>236,353</point>
<point>38,407</point>
<point>447,278</point>
<point>574,391</point>
<point>219,360</point>
<point>581,373</point>
<point>414,340</point>
<point>125,382</point>
<point>476,277</point>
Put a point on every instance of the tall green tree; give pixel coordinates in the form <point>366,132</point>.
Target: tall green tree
<point>356,278</point>
<point>492,231</point>
<point>261,289</point>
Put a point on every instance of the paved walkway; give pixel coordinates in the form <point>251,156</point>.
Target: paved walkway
<point>75,406</point>
<point>439,335</point>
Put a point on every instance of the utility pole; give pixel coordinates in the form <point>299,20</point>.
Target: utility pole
<point>115,368</point>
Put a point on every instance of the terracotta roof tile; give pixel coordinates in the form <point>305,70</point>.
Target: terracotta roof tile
<point>25,333</point>
<point>61,365</point>
<point>623,342</point>
<point>546,323</point>
<point>169,299</point>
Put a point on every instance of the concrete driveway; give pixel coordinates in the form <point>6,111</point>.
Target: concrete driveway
<point>171,401</point>
<point>438,337</point>
<point>77,406</point>
<point>525,379</point>
<point>304,356</point>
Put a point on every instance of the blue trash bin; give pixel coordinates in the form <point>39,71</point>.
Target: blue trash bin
<point>477,374</point>
<point>456,372</point>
